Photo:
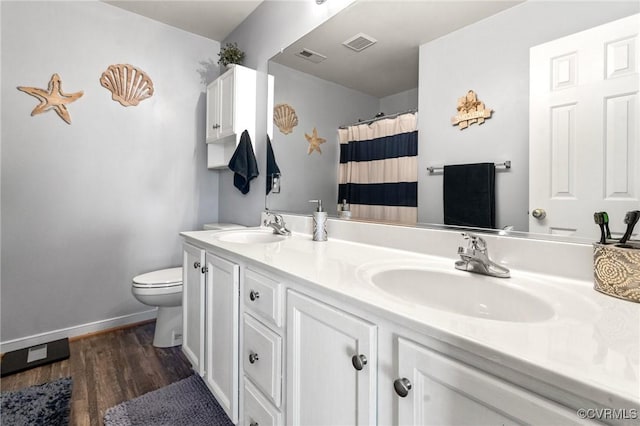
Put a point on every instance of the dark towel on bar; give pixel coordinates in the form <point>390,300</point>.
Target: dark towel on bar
<point>243,163</point>
<point>469,195</point>
<point>272,166</point>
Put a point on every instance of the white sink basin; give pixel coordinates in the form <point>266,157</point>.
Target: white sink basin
<point>462,293</point>
<point>250,236</point>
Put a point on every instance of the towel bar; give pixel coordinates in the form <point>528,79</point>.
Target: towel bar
<point>434,169</point>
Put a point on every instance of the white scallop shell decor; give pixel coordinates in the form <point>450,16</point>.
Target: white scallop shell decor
<point>284,116</point>
<point>129,85</point>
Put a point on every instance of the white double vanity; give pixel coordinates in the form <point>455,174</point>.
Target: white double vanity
<point>376,326</point>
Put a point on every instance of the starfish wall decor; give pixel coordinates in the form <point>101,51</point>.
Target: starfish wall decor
<point>52,98</point>
<point>314,141</point>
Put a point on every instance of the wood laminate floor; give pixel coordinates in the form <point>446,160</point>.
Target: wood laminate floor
<point>108,369</point>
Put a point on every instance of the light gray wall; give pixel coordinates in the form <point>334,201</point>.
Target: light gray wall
<point>325,106</point>
<point>274,25</point>
<point>87,206</point>
<point>492,58</point>
<point>400,102</point>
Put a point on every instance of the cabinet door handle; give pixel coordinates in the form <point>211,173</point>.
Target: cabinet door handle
<point>204,270</point>
<point>359,361</point>
<point>253,357</point>
<point>254,295</point>
<point>402,386</point>
<point>196,265</point>
<point>216,126</point>
<point>254,424</point>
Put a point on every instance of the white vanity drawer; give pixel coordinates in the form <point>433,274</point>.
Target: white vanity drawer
<point>257,410</point>
<point>263,297</point>
<point>262,358</point>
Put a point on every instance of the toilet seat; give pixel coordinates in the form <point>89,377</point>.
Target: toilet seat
<point>164,278</point>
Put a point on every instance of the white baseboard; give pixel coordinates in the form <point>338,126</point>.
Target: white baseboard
<point>77,330</point>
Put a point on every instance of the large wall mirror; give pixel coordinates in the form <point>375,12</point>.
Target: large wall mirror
<point>424,56</point>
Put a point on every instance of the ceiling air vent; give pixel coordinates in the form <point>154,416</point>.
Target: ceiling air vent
<point>312,56</point>
<point>359,42</point>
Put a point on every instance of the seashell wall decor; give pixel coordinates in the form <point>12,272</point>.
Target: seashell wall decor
<point>284,116</point>
<point>129,85</point>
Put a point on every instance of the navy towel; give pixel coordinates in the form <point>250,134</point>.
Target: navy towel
<point>243,163</point>
<point>469,195</point>
<point>272,166</point>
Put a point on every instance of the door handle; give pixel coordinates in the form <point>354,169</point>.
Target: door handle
<point>539,214</point>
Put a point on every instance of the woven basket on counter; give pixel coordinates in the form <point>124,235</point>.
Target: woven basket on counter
<point>616,270</point>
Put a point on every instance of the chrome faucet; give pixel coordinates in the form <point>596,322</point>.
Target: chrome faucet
<point>276,222</point>
<point>475,258</point>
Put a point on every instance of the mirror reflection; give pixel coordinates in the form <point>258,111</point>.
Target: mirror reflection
<point>510,54</point>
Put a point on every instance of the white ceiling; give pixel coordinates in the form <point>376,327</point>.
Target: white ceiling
<point>400,27</point>
<point>213,19</point>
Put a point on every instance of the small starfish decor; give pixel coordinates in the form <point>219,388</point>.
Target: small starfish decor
<point>314,141</point>
<point>53,98</point>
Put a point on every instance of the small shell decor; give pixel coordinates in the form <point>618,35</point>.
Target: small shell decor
<point>129,85</point>
<point>284,116</point>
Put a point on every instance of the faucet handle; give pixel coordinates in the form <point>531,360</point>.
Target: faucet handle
<point>475,242</point>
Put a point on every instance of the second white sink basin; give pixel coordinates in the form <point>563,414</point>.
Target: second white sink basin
<point>250,236</point>
<point>463,293</point>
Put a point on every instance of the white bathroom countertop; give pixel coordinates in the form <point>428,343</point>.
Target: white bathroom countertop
<point>590,347</point>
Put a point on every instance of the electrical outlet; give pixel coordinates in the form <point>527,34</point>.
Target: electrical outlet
<point>275,183</point>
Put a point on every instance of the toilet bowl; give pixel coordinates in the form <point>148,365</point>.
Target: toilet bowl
<point>163,289</point>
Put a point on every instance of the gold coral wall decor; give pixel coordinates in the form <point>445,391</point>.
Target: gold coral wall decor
<point>470,110</point>
<point>53,98</point>
<point>129,85</point>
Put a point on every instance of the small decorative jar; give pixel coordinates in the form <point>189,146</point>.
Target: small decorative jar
<point>616,270</point>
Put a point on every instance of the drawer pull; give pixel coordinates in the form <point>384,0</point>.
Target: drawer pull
<point>254,295</point>
<point>402,386</point>
<point>359,361</point>
<point>253,357</point>
<point>196,265</point>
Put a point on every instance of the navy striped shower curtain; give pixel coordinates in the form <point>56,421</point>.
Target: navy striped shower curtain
<point>378,173</point>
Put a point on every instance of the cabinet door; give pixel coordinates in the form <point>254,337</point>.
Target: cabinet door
<point>441,391</point>
<point>323,386</point>
<point>222,305</point>
<point>226,105</point>
<point>193,288</point>
<point>213,111</point>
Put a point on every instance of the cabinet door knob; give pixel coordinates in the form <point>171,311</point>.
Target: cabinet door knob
<point>359,361</point>
<point>254,424</point>
<point>253,357</point>
<point>216,126</point>
<point>253,295</point>
<point>204,269</point>
<point>402,386</point>
<point>196,265</point>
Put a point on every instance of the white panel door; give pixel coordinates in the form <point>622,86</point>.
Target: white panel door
<point>440,391</point>
<point>193,289</point>
<point>222,331</point>
<point>323,385</point>
<point>584,129</point>
<point>213,111</point>
<point>226,92</point>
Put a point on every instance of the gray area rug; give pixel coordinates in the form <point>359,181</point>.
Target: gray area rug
<point>41,405</point>
<point>187,402</point>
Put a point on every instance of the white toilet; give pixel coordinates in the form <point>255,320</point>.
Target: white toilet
<point>163,289</point>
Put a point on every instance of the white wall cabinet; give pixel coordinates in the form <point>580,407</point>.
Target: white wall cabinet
<point>231,109</point>
<point>331,365</point>
<point>193,292</point>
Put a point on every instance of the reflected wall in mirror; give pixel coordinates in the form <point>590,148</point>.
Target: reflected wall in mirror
<point>449,48</point>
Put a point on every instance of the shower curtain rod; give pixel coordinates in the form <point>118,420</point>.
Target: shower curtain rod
<point>382,117</point>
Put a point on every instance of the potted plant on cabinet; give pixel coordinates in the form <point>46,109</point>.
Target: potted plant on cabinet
<point>230,54</point>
